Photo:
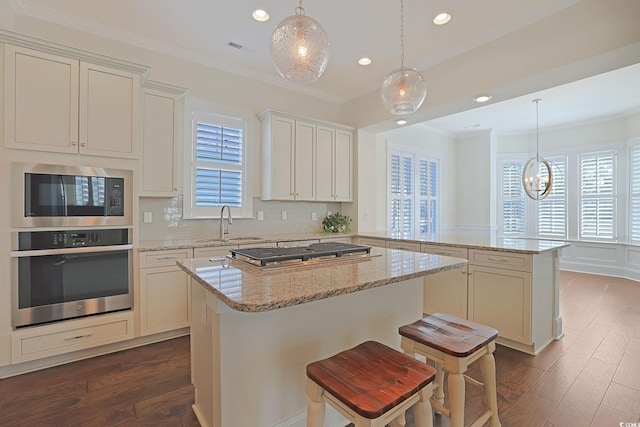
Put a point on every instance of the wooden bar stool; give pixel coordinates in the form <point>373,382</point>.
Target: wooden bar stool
<point>453,344</point>
<point>371,385</point>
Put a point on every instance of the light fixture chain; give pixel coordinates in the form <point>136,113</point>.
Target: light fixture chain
<point>537,101</point>
<point>402,33</point>
<point>300,9</point>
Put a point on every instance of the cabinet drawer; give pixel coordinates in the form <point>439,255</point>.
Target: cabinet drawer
<point>163,258</point>
<point>405,246</point>
<point>380,243</point>
<point>51,340</point>
<point>508,260</point>
<point>217,251</point>
<point>444,250</point>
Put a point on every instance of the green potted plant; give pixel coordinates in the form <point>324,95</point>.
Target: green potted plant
<point>336,223</point>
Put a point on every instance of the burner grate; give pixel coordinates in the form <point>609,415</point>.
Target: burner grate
<point>303,253</point>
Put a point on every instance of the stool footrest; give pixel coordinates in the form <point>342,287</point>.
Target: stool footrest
<point>439,407</point>
<point>483,419</point>
<point>473,381</point>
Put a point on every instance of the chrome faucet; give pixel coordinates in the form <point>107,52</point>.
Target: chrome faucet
<point>225,230</point>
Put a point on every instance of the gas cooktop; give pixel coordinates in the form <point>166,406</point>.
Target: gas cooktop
<point>276,256</point>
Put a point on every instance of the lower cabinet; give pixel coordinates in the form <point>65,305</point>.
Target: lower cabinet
<point>164,292</point>
<point>501,299</point>
<point>73,335</point>
<point>446,292</point>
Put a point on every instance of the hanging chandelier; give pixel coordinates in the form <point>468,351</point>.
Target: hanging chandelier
<point>403,90</point>
<point>537,178</point>
<point>300,48</point>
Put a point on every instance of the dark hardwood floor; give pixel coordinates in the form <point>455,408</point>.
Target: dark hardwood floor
<point>589,378</point>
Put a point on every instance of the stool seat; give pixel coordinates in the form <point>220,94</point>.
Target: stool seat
<point>452,344</point>
<point>449,334</point>
<point>371,378</point>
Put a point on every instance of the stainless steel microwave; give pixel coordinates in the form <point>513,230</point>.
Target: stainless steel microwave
<point>53,196</point>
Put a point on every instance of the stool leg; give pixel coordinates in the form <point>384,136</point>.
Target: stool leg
<point>422,409</point>
<point>315,408</point>
<point>487,366</point>
<point>456,398</point>
<point>438,394</point>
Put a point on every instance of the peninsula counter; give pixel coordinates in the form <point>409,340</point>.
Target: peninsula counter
<point>253,332</point>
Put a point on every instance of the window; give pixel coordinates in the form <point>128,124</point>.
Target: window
<point>413,193</point>
<point>634,202</point>
<point>552,210</point>
<point>597,195</point>
<point>513,202</point>
<point>547,217</point>
<point>216,162</point>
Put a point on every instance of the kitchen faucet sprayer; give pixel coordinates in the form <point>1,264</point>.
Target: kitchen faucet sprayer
<point>225,230</point>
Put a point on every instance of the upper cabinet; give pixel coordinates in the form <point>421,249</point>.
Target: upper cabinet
<point>305,160</point>
<point>58,104</point>
<point>161,130</point>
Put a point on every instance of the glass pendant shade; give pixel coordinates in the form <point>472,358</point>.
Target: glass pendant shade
<point>403,91</point>
<point>300,48</point>
<point>537,178</point>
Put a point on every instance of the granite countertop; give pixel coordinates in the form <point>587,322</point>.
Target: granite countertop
<point>249,289</point>
<point>487,241</point>
<point>234,241</point>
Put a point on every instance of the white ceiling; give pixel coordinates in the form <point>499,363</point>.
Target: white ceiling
<point>200,30</point>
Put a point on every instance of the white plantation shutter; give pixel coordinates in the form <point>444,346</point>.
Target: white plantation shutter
<point>552,211</point>
<point>218,176</point>
<point>513,199</point>
<point>215,166</point>
<point>413,193</point>
<point>634,197</point>
<point>597,195</point>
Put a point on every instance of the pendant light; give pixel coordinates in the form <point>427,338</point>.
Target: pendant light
<point>537,178</point>
<point>403,90</point>
<point>300,48</point>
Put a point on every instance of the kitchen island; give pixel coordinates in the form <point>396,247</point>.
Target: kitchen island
<point>510,284</point>
<point>254,331</point>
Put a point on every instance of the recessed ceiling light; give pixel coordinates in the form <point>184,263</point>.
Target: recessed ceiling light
<point>442,18</point>
<point>482,98</point>
<point>401,122</point>
<point>364,61</point>
<point>260,15</point>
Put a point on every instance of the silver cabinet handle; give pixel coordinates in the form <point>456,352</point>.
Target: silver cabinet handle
<point>77,337</point>
<point>498,259</point>
<point>167,257</point>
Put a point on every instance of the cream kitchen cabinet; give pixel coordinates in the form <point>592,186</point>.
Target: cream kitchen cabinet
<point>164,291</point>
<point>305,160</point>
<point>213,252</point>
<point>289,159</point>
<point>446,292</point>
<point>161,130</point>
<point>59,104</point>
<point>334,150</point>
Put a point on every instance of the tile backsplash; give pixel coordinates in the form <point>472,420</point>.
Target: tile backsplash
<point>167,222</point>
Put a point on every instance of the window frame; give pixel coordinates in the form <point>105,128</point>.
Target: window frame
<point>201,110</point>
<point>613,196</point>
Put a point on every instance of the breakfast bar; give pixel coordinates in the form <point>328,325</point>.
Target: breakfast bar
<point>254,330</point>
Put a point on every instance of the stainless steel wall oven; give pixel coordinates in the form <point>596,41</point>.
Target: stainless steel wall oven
<point>65,274</point>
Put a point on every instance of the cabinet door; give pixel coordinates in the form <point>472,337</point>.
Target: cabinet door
<point>343,160</point>
<point>164,300</point>
<point>324,163</point>
<point>41,101</point>
<point>501,299</point>
<point>281,166</point>
<point>446,292</point>
<point>304,163</point>
<point>160,137</point>
<point>108,111</point>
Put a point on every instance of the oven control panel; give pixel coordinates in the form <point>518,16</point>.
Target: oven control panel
<point>34,240</point>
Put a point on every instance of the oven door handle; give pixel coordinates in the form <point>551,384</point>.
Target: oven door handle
<point>66,251</point>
